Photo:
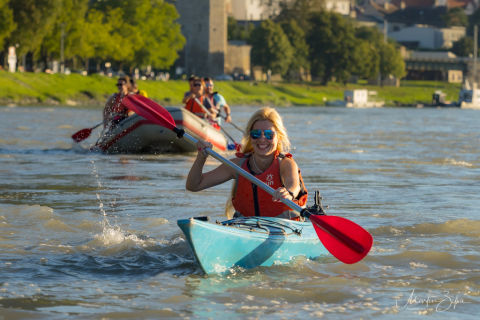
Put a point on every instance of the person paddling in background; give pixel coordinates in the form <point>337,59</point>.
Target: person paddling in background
<point>191,82</point>
<point>135,90</point>
<point>194,102</point>
<point>264,154</point>
<point>216,101</point>
<point>114,111</point>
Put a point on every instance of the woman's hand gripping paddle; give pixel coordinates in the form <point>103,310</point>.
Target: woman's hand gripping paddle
<point>84,133</point>
<point>344,239</point>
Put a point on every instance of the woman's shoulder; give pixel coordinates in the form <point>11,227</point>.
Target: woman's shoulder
<point>287,160</point>
<point>283,155</point>
<point>237,162</point>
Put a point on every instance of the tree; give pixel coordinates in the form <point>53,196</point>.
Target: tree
<point>98,41</point>
<point>271,48</point>
<point>473,20</point>
<point>391,61</point>
<point>238,32</point>
<point>146,29</point>
<point>455,17</point>
<point>69,28</point>
<point>7,25</point>
<point>366,58</point>
<point>298,10</point>
<point>161,36</point>
<point>332,45</point>
<point>463,47</point>
<point>382,57</point>
<point>296,37</point>
<point>34,20</point>
<point>120,18</point>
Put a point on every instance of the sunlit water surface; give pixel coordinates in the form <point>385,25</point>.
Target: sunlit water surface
<point>94,236</point>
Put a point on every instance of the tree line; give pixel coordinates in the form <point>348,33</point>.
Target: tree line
<point>128,33</point>
<point>299,41</point>
<point>465,46</point>
<point>303,40</point>
<point>141,33</point>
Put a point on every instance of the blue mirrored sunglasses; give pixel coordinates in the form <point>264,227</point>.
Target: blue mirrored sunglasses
<point>268,134</point>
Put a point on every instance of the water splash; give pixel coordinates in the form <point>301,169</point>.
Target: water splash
<point>100,186</point>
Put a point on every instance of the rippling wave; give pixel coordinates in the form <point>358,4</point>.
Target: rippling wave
<point>88,235</point>
<point>465,227</point>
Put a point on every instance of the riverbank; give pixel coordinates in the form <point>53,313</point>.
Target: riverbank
<point>33,89</point>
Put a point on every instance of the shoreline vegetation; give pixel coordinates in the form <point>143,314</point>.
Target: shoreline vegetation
<point>75,90</point>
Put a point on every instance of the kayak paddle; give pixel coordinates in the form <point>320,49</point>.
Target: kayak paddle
<point>84,133</point>
<point>233,124</point>
<point>222,116</point>
<point>230,147</point>
<point>344,239</point>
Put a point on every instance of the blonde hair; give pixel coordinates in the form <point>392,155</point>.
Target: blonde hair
<point>283,145</point>
<point>274,117</point>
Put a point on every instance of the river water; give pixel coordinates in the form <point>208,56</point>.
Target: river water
<point>92,236</point>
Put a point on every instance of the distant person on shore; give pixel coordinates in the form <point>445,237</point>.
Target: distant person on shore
<point>216,101</point>
<point>135,89</point>
<point>114,111</point>
<point>194,102</point>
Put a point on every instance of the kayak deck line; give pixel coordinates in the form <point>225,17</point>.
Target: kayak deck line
<point>270,227</point>
<point>249,242</point>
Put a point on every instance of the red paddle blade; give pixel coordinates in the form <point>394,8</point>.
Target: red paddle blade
<point>81,135</point>
<point>344,239</point>
<point>150,110</point>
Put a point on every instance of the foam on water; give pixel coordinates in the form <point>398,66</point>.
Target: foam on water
<point>112,236</point>
<point>458,163</point>
<point>465,227</point>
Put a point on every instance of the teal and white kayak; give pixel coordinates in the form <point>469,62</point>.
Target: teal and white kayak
<point>249,242</point>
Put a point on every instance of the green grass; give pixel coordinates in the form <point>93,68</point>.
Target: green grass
<point>75,89</point>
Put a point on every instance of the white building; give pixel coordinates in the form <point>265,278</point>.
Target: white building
<point>251,10</point>
<point>257,10</point>
<point>342,7</point>
<point>427,37</point>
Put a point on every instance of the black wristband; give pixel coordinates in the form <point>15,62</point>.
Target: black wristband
<point>291,193</point>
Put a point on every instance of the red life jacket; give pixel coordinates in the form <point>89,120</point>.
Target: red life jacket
<point>194,107</point>
<point>249,200</point>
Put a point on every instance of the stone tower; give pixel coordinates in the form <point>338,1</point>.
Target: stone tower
<point>204,25</point>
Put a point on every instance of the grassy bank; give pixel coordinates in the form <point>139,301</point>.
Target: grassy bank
<point>75,89</point>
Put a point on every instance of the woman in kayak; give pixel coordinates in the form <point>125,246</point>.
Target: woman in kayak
<point>264,154</point>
